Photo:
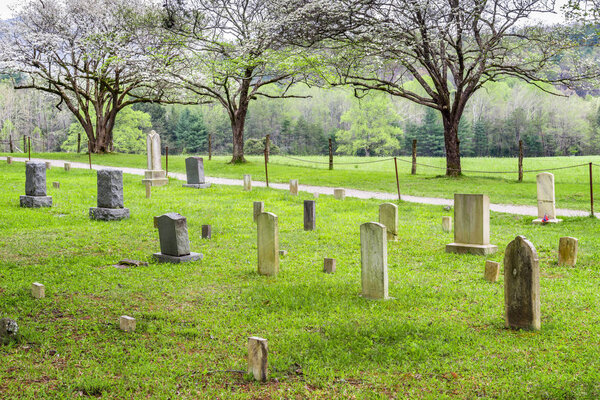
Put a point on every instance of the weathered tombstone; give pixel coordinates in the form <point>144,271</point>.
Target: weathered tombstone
<point>310,215</point>
<point>339,193</point>
<point>329,265</point>
<point>471,225</point>
<point>127,323</point>
<point>154,174</point>
<point>283,253</point>
<point>206,231</point>
<point>174,241</point>
<point>48,165</point>
<point>259,208</point>
<point>447,224</point>
<point>294,187</point>
<point>567,251</point>
<point>388,216</point>
<point>373,259</point>
<point>110,196</point>
<point>8,330</point>
<point>492,271</point>
<point>268,244</point>
<point>67,166</point>
<point>521,285</point>
<point>258,353</point>
<point>9,160</point>
<point>38,290</point>
<point>35,186</point>
<point>247,182</point>
<point>56,185</point>
<point>545,199</point>
<point>194,168</point>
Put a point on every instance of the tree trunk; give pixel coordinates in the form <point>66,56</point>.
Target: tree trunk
<point>452,144</point>
<point>238,121</point>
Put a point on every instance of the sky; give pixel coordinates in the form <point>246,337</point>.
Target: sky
<point>4,7</point>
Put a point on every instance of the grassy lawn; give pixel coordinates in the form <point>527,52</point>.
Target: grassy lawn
<point>572,185</point>
<point>442,337</point>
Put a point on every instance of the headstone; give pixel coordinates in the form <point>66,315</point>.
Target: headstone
<point>329,265</point>
<point>259,208</point>
<point>310,215</point>
<point>283,253</point>
<point>35,186</point>
<point>492,271</point>
<point>110,196</point>
<point>48,165</point>
<point>67,166</point>
<point>471,225</point>
<point>247,182</point>
<point>268,244</point>
<point>8,330</point>
<point>339,193</point>
<point>38,290</point>
<point>56,185</point>
<point>194,168</point>
<point>373,259</point>
<point>206,231</point>
<point>174,241</point>
<point>545,199</point>
<point>258,353</point>
<point>567,251</point>
<point>127,323</point>
<point>521,285</point>
<point>9,160</point>
<point>294,187</point>
<point>447,224</point>
<point>388,216</point>
<point>154,174</point>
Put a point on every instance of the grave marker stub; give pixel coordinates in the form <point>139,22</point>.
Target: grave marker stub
<point>567,251</point>
<point>67,166</point>
<point>174,241</point>
<point>38,290</point>
<point>471,225</point>
<point>9,160</point>
<point>258,352</point>
<point>206,231</point>
<point>447,224</point>
<point>258,208</point>
<point>545,198</point>
<point>388,216</point>
<point>268,244</point>
<point>329,265</point>
<point>373,259</point>
<point>194,168</point>
<point>310,216</point>
<point>294,187</point>
<point>110,196</point>
<point>35,186</point>
<point>339,193</point>
<point>492,270</point>
<point>48,165</point>
<point>247,182</point>
<point>521,285</point>
<point>127,323</point>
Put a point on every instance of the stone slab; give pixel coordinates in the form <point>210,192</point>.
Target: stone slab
<point>194,170</point>
<point>268,244</point>
<point>388,216</point>
<point>373,259</point>
<point>247,182</point>
<point>339,194</point>
<point>447,224</point>
<point>9,160</point>
<point>540,221</point>
<point>545,195</point>
<point>197,185</point>
<point>108,214</point>
<point>567,251</point>
<point>35,178</point>
<point>38,290</point>
<point>329,265</point>
<point>258,356</point>
<point>294,187</point>
<point>492,271</point>
<point>67,166</point>
<point>310,215</point>
<point>155,178</point>
<point>258,207</point>
<point>36,201</point>
<point>110,188</point>
<point>56,185</point>
<point>127,323</point>
<point>477,249</point>
<point>165,258</point>
<point>472,219</point>
<point>173,234</point>
<point>206,231</point>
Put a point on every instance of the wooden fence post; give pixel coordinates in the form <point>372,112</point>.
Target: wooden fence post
<point>520,161</point>
<point>413,170</point>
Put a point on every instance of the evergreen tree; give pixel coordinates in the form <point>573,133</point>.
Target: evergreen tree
<point>190,132</point>
<point>480,139</point>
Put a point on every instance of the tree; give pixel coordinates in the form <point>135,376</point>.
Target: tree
<point>84,53</point>
<point>191,132</point>
<point>451,48</point>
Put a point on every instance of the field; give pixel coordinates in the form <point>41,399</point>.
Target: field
<point>378,174</point>
<point>442,336</point>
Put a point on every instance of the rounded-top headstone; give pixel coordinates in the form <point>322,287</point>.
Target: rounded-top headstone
<point>35,178</point>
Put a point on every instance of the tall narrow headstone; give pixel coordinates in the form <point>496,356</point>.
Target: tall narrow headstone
<point>294,187</point>
<point>110,196</point>
<point>471,225</point>
<point>258,352</point>
<point>388,216</point>
<point>545,199</point>
<point>268,244</point>
<point>567,251</point>
<point>247,182</point>
<point>174,241</point>
<point>258,208</point>
<point>521,285</point>
<point>194,168</point>
<point>35,186</point>
<point>310,215</point>
<point>446,224</point>
<point>154,174</point>
<point>67,166</point>
<point>339,194</point>
<point>373,259</point>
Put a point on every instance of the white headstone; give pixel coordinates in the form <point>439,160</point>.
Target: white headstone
<point>388,216</point>
<point>545,199</point>
<point>471,225</point>
<point>268,244</point>
<point>373,259</point>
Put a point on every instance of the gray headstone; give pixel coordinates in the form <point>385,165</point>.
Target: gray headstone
<point>567,251</point>
<point>259,208</point>
<point>294,187</point>
<point>173,234</point>
<point>310,215</point>
<point>206,231</point>
<point>194,168</point>
<point>521,285</point>
<point>110,188</point>
<point>268,244</point>
<point>373,259</point>
<point>67,166</point>
<point>388,216</point>
<point>329,265</point>
<point>35,178</point>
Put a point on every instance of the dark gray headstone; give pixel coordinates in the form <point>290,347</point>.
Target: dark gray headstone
<point>310,215</point>
<point>173,235</point>
<point>35,178</point>
<point>110,188</point>
<point>194,168</point>
<point>206,231</point>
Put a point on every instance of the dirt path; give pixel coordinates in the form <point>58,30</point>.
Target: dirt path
<point>361,194</point>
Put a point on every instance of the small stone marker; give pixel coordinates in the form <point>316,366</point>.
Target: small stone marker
<point>148,189</point>
<point>35,186</point>
<point>268,244</point>
<point>206,231</point>
<point>174,241</point>
<point>259,208</point>
<point>48,165</point>
<point>8,329</point>
<point>56,185</point>
<point>388,216</point>
<point>567,251</point>
<point>373,259</point>
<point>316,195</point>
<point>247,182</point>
<point>545,198</point>
<point>127,323</point>
<point>67,166</point>
<point>471,225</point>
<point>38,290</point>
<point>339,193</point>
<point>258,352</point>
<point>447,224</point>
<point>283,253</point>
<point>310,215</point>
<point>521,285</point>
<point>154,174</point>
<point>329,265</point>
<point>194,168</point>
<point>294,187</point>
<point>9,160</point>
<point>492,271</point>
<point>110,196</point>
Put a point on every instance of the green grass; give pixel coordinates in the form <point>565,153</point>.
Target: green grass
<point>442,337</point>
<point>572,185</point>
